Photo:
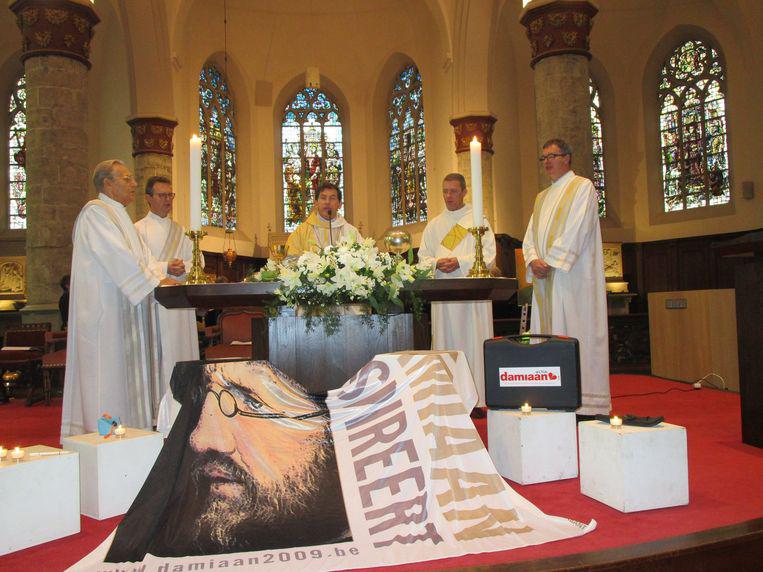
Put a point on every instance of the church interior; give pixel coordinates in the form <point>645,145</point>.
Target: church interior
<point>659,100</point>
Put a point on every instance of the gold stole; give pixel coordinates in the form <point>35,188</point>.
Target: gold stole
<point>544,288</point>
<point>454,237</point>
<point>172,243</point>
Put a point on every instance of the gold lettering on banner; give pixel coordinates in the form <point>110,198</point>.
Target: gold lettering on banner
<point>446,438</point>
<point>464,485</point>
<point>491,524</point>
<point>442,410</point>
<point>401,513</point>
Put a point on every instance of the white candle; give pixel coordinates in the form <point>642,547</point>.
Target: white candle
<point>3,452</point>
<point>119,431</point>
<point>475,151</point>
<point>526,409</point>
<point>195,184</point>
<point>18,453</point>
<point>616,422</point>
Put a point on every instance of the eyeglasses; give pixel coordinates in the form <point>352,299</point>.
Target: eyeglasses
<point>164,196</point>
<point>230,408</point>
<point>551,156</point>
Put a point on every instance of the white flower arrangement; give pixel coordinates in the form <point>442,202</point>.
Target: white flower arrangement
<point>346,273</point>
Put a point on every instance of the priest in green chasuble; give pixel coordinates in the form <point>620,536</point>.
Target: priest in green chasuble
<point>449,247</point>
<point>324,226</point>
<point>565,261</point>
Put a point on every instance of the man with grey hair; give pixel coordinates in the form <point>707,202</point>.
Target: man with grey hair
<point>565,261</point>
<point>108,367</point>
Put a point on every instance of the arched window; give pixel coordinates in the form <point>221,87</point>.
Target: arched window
<point>17,156</point>
<point>218,150</point>
<point>692,104</point>
<point>407,149</point>
<point>311,151</point>
<point>597,134</point>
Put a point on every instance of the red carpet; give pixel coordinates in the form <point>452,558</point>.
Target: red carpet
<point>724,480</point>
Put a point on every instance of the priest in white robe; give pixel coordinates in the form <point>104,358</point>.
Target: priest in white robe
<point>175,328</point>
<point>108,358</point>
<point>324,226</point>
<point>449,247</point>
<point>563,252</point>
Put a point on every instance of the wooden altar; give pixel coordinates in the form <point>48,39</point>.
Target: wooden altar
<point>321,362</point>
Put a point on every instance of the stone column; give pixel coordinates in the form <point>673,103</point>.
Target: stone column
<point>56,37</point>
<point>559,34</point>
<point>152,149</point>
<point>481,127</point>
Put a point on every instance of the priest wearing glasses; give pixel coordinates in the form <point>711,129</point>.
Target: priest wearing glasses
<point>324,226</point>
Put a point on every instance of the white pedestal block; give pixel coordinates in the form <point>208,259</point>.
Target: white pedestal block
<point>533,448</point>
<point>40,499</point>
<point>634,468</point>
<point>113,470</point>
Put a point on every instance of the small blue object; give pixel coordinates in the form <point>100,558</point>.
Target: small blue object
<point>107,423</point>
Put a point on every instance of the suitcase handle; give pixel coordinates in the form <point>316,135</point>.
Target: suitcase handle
<point>519,338</point>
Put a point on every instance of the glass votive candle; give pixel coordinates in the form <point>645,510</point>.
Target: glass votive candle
<point>526,409</point>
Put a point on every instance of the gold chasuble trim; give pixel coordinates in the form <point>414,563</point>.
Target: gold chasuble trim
<point>544,288</point>
<point>454,237</point>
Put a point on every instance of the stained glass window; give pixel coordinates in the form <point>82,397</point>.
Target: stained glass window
<point>218,150</point>
<point>17,156</point>
<point>407,153</point>
<point>597,133</point>
<point>694,148</point>
<point>311,151</point>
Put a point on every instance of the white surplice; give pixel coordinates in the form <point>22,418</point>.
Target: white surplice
<point>571,301</point>
<point>177,331</point>
<point>108,355</point>
<point>460,325</point>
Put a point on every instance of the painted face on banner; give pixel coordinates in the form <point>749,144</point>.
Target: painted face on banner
<point>264,453</point>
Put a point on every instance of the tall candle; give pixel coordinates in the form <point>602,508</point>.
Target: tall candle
<point>195,194</point>
<point>475,151</point>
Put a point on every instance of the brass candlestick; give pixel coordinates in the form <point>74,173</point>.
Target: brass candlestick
<point>479,270</point>
<point>196,275</point>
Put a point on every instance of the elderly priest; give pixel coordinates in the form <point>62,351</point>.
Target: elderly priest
<point>108,367</point>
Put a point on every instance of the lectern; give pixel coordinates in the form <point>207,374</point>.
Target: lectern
<point>748,282</point>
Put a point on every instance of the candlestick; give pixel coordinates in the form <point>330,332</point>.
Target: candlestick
<point>475,153</point>
<point>195,183</point>
<point>478,270</point>
<point>526,409</point>
<point>17,454</point>
<point>196,274</point>
<point>616,422</point>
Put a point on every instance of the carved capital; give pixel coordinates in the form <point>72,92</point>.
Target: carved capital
<point>152,135</point>
<point>561,27</point>
<point>479,126</point>
<point>55,28</point>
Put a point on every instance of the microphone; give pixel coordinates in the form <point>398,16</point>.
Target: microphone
<point>331,240</point>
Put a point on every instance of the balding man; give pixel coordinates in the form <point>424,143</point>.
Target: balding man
<point>108,365</point>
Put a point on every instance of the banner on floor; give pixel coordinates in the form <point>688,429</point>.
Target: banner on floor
<point>386,470</point>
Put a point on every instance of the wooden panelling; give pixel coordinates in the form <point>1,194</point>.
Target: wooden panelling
<point>701,338</point>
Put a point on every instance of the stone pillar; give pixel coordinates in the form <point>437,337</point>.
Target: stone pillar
<point>481,127</point>
<point>559,34</point>
<point>152,149</point>
<point>56,37</point>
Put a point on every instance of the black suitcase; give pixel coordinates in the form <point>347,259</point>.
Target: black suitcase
<point>543,371</point>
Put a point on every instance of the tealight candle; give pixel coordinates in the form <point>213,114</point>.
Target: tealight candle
<point>119,431</point>
<point>18,454</point>
<point>3,452</point>
<point>616,422</point>
<point>526,409</point>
